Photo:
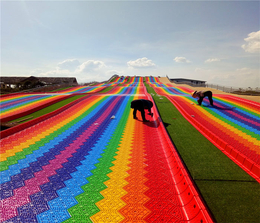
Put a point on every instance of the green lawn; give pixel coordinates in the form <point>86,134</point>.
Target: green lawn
<point>230,193</point>
<point>55,106</point>
<point>50,108</point>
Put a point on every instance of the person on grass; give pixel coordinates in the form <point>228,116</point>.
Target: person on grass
<point>141,105</point>
<point>201,95</point>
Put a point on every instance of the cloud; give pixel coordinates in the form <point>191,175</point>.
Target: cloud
<point>141,63</point>
<point>56,73</point>
<point>90,66</point>
<point>90,70</point>
<point>181,60</point>
<point>252,42</point>
<point>210,60</point>
<point>69,64</point>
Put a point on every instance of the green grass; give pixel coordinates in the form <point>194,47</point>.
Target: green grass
<point>54,107</point>
<point>230,193</point>
<point>49,109</point>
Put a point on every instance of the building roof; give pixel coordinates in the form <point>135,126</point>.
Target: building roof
<point>184,79</point>
<point>47,80</point>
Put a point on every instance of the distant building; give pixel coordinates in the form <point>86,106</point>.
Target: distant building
<point>188,81</point>
<point>28,82</point>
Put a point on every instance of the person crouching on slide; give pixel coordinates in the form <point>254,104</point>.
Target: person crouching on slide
<point>141,105</point>
<point>201,95</point>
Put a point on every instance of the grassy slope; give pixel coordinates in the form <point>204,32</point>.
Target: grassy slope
<point>49,108</point>
<point>230,193</point>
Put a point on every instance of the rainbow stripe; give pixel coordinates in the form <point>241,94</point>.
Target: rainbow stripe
<point>81,89</point>
<point>21,103</point>
<point>94,163</point>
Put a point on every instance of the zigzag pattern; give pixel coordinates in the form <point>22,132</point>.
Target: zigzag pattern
<point>92,162</point>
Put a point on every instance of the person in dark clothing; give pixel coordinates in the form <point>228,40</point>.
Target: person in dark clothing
<point>141,105</point>
<point>201,95</point>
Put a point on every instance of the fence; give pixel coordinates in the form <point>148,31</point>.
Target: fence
<point>248,90</point>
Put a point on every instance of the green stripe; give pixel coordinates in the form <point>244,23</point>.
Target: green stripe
<point>231,123</point>
<point>237,106</point>
<point>27,103</point>
<point>86,201</point>
<point>237,126</point>
<point>14,159</point>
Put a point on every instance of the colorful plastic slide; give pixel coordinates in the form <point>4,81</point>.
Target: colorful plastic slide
<point>92,162</point>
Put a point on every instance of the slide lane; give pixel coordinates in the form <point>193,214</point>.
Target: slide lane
<point>64,145</point>
<point>81,165</point>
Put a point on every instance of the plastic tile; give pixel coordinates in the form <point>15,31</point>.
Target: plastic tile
<point>80,165</point>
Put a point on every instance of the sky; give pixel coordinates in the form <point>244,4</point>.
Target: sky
<point>213,41</point>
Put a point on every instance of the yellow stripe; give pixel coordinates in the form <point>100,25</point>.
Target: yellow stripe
<point>14,98</point>
<point>112,202</point>
<point>42,135</point>
<point>240,105</point>
<point>28,105</point>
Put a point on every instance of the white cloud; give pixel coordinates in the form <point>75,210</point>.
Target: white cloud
<point>141,63</point>
<point>56,73</point>
<point>90,66</point>
<point>181,60</point>
<point>252,42</point>
<point>69,64</point>
<point>210,60</point>
<point>90,70</point>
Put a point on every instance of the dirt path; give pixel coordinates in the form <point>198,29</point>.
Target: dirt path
<point>165,80</point>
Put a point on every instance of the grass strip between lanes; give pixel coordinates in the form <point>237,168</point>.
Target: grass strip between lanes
<point>49,109</point>
<point>230,193</point>
<point>54,107</point>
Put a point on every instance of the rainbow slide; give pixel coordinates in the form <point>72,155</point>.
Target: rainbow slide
<point>16,105</point>
<point>93,162</point>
